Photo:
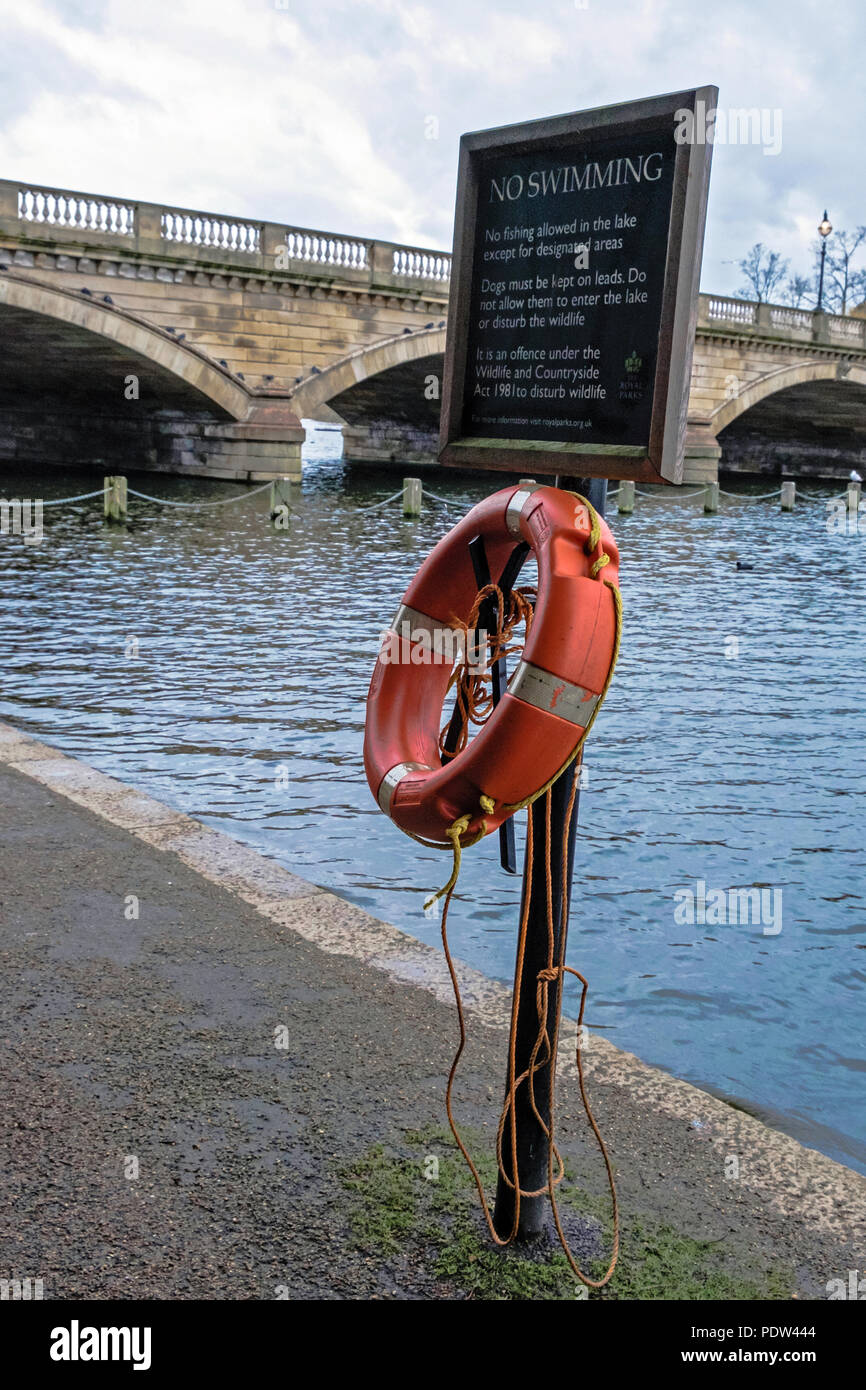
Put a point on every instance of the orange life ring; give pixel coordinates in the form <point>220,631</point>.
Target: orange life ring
<point>551,698</point>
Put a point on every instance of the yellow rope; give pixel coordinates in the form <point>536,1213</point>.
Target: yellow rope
<point>454,831</point>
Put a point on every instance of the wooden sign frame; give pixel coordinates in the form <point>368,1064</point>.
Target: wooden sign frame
<point>660,459</point>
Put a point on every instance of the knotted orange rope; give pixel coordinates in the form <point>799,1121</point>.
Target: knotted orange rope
<point>474,693</point>
<point>544,1053</point>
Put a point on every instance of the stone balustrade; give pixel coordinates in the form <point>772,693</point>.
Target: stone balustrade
<point>41,218</point>
<point>744,317</point>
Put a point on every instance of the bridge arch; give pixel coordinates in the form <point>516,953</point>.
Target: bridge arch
<point>781,379</point>
<point>131,335</point>
<point>398,351</point>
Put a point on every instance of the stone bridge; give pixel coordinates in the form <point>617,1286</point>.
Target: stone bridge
<point>149,336</point>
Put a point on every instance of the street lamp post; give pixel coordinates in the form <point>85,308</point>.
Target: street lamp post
<point>824,230</point>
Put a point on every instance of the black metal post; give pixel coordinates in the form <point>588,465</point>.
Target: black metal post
<point>532,1146</point>
<point>820,305</point>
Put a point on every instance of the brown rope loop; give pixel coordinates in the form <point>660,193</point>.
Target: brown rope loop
<point>472,677</point>
<point>544,1054</point>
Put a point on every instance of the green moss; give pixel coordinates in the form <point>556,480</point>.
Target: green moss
<point>661,1263</point>
<point>481,1270</point>
<point>387,1207</point>
<point>657,1262</point>
<point>402,1201</point>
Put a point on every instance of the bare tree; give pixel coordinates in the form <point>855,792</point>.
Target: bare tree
<point>858,290</point>
<point>762,270</point>
<point>798,289</point>
<point>840,276</point>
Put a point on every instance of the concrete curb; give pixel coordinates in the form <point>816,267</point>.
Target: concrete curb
<point>797,1183</point>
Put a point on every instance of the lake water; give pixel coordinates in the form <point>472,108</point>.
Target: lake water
<point>731,750</point>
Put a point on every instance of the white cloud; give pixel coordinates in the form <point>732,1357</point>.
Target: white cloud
<point>316,115</point>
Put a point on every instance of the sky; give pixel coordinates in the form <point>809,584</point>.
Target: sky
<point>345,115</point>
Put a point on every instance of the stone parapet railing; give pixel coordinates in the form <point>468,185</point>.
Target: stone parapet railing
<point>745,318</point>
<point>40,218</point>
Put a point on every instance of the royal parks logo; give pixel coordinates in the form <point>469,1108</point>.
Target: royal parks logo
<point>633,384</point>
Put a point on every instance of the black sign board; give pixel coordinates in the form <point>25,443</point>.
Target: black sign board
<point>574,287</point>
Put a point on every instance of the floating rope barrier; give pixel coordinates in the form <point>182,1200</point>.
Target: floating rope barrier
<point>227,501</point>
<point>219,502</point>
<point>162,501</point>
<point>371,507</point>
<point>747,497</point>
<point>681,495</point>
<point>444,500</point>
<point>813,497</point>
<point>82,497</point>
<point>434,497</point>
